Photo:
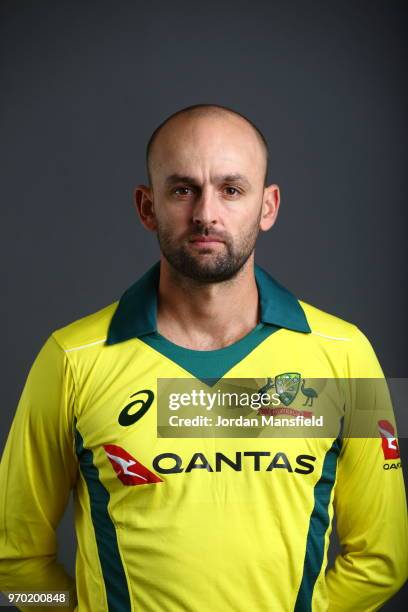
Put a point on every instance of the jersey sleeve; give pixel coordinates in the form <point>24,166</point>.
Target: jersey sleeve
<point>37,472</point>
<point>369,499</point>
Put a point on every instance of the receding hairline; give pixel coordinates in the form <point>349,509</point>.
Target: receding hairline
<point>205,110</point>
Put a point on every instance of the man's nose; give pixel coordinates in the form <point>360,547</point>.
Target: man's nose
<point>205,208</point>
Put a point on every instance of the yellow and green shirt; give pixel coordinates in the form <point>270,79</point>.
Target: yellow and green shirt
<point>220,524</point>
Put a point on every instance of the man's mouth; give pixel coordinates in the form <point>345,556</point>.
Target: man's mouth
<point>205,240</point>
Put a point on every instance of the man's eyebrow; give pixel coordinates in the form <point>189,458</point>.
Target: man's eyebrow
<point>224,178</point>
<point>232,178</point>
<point>180,178</point>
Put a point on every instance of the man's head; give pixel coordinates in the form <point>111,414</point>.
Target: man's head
<point>207,169</point>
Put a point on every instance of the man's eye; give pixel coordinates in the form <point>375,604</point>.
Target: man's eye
<point>232,191</point>
<point>182,190</point>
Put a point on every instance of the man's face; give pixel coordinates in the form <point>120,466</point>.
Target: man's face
<point>208,184</point>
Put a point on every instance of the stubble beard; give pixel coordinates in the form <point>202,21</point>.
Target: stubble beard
<point>208,265</point>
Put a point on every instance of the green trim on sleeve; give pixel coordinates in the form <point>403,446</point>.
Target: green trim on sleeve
<point>318,525</point>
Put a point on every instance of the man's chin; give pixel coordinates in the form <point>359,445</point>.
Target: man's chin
<point>205,272</point>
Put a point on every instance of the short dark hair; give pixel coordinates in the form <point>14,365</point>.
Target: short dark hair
<point>205,109</point>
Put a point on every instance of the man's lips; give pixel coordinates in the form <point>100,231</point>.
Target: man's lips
<point>205,239</point>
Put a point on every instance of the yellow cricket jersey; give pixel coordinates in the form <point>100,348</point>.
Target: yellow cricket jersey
<point>215,524</point>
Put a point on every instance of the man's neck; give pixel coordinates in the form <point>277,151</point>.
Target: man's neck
<point>206,316</point>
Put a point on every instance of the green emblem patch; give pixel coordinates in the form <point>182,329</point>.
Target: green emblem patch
<point>287,386</point>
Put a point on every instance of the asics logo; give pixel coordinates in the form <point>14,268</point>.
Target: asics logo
<point>127,417</point>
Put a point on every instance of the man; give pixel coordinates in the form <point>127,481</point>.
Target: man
<point>221,523</point>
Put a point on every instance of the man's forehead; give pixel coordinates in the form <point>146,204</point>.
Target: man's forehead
<point>195,168</point>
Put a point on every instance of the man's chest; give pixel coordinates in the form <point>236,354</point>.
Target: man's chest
<point>122,403</point>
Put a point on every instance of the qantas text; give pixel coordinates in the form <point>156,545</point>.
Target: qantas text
<point>171,463</point>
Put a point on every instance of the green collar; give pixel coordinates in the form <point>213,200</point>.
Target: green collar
<point>136,312</point>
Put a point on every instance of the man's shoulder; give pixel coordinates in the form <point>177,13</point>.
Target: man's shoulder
<point>86,331</point>
<point>329,326</point>
<point>339,337</point>
<point>333,334</point>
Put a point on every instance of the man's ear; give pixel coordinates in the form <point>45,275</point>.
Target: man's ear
<point>143,202</point>
<point>270,207</point>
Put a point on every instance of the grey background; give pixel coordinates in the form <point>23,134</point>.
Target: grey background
<point>83,85</point>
